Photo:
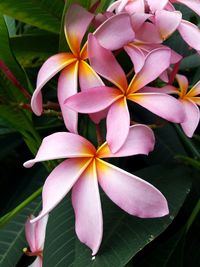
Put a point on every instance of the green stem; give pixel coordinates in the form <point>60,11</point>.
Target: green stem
<point>17,209</point>
<point>193,215</point>
<point>187,142</point>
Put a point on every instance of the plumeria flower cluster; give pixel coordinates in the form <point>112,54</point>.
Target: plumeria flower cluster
<point>93,82</point>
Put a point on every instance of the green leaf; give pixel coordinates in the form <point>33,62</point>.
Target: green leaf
<point>189,62</point>
<point>7,56</point>
<point>43,14</point>
<point>32,50</point>
<point>12,240</point>
<point>124,235</point>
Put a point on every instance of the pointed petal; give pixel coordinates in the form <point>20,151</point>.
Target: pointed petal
<point>40,232</point>
<point>30,234</point>
<point>67,86</point>
<point>62,145</point>
<point>195,90</point>
<point>130,193</point>
<point>77,20</point>
<point>167,22</point>
<point>118,121</point>
<point>87,206</point>
<point>37,262</point>
<point>151,69</point>
<point>163,105</point>
<point>50,68</point>
<point>136,55</point>
<point>192,4</point>
<point>103,62</point>
<point>140,140</point>
<point>192,117</point>
<point>190,34</point>
<point>157,4</point>
<point>183,84</point>
<point>115,32</point>
<point>94,99</point>
<point>114,6</point>
<point>59,182</point>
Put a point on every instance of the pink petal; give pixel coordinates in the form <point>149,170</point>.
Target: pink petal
<point>167,89</point>
<point>94,99</point>
<point>67,86</point>
<point>137,20</point>
<point>183,84</point>
<point>163,105</point>
<point>148,33</point>
<point>62,145</point>
<point>167,22</point>
<point>190,34</point>
<point>115,32</point>
<point>30,234</point>
<point>164,76</point>
<point>87,206</point>
<point>136,6</point>
<point>115,6</point>
<point>77,20</point>
<point>140,140</point>
<point>50,68</point>
<point>59,182</point>
<point>130,193</point>
<point>136,55</point>
<point>175,57</point>
<point>40,232</point>
<point>156,4</point>
<point>195,90</point>
<point>192,117</point>
<point>37,262</point>
<point>118,121</point>
<point>88,78</point>
<point>151,69</point>
<point>192,4</point>
<point>103,62</point>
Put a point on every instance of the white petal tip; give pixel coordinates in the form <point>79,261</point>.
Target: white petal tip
<point>28,164</point>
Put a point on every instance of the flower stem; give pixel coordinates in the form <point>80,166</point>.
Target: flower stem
<point>193,215</point>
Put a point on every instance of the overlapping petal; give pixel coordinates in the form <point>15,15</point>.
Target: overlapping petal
<point>136,55</point>
<point>60,180</point>
<point>30,230</point>
<point>104,63</point>
<point>151,69</point>
<point>195,90</point>
<point>62,145</point>
<point>87,206</point>
<point>118,121</point>
<point>50,68</point>
<point>40,232</point>
<point>67,86</point>
<point>163,105</point>
<point>157,4</point>
<point>129,192</point>
<point>190,34</point>
<point>192,4</point>
<point>167,22</point>
<point>140,140</point>
<point>94,99</point>
<point>115,32</point>
<point>192,115</point>
<point>77,20</point>
<point>183,84</point>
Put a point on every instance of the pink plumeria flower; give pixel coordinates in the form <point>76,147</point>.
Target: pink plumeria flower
<point>73,65</point>
<point>85,168</point>
<point>35,236</point>
<point>99,98</point>
<point>190,100</point>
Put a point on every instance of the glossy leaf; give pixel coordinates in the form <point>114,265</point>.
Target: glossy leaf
<point>42,14</point>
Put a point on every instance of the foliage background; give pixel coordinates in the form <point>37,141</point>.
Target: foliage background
<point>30,32</point>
